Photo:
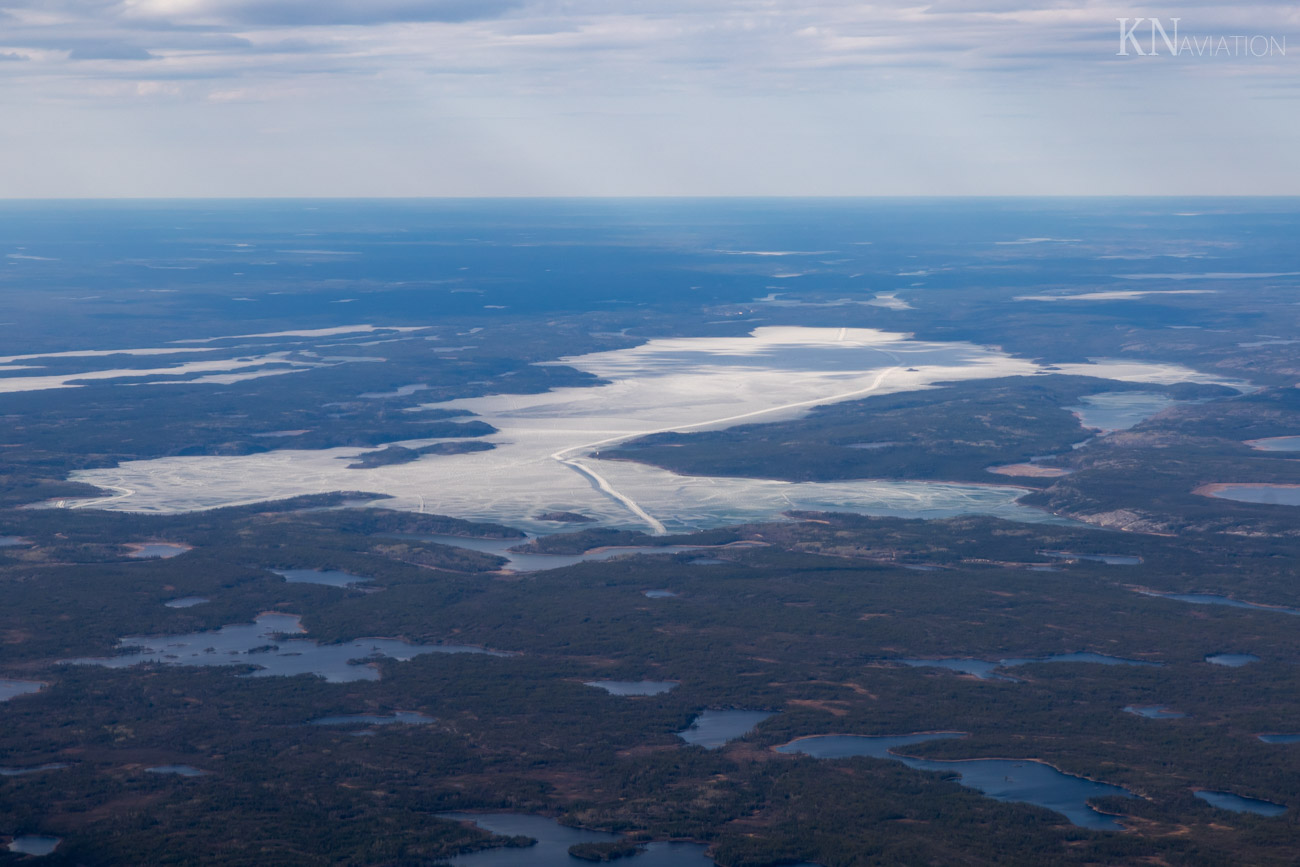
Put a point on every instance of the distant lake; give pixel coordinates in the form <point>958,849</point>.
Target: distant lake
<point>1269,495</point>
<point>178,770</point>
<point>712,729</point>
<point>19,772</point>
<point>1276,444</point>
<point>258,644</point>
<point>986,670</point>
<point>530,562</point>
<point>554,840</point>
<point>156,550</point>
<point>634,687</point>
<point>186,602</point>
<point>1280,739</point>
<point>38,846</point>
<point>400,717</point>
<point>1024,781</point>
<point>14,688</point>
<point>1119,410</point>
<point>1232,660</point>
<point>1238,804</point>
<point>1154,711</point>
<point>1109,559</point>
<point>1214,599</point>
<point>320,576</point>
<point>12,541</point>
<point>660,594</point>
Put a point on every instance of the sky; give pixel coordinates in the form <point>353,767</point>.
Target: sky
<point>163,98</point>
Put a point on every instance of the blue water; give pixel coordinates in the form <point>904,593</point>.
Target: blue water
<point>19,772</point>
<point>326,577</point>
<point>1119,410</point>
<point>554,840</point>
<point>32,845</point>
<point>712,729</point>
<point>186,602</point>
<point>400,717</point>
<point>1277,444</point>
<point>157,551</point>
<point>1153,711</point>
<point>1268,495</point>
<point>634,687</point>
<point>1029,782</point>
<point>1280,739</point>
<point>1232,660</point>
<point>262,644</point>
<point>178,770</point>
<point>1213,599</point>
<point>1109,559</point>
<point>986,670</point>
<point>1238,804</point>
<point>14,688</point>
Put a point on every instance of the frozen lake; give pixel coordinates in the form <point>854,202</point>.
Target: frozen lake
<point>547,447</point>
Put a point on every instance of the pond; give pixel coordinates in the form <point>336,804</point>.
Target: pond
<point>1119,410</point>
<point>1109,559</point>
<point>1264,494</point>
<point>186,602</point>
<point>33,845</point>
<point>712,729</point>
<point>14,688</point>
<point>19,772</point>
<point>554,840</point>
<point>1280,739</point>
<point>327,577</point>
<point>178,770</point>
<point>1154,711</point>
<point>155,550</point>
<point>660,594</point>
<point>634,687</point>
<point>986,670</point>
<point>401,717</point>
<point>529,562</point>
<point>1276,444</point>
<point>12,541</point>
<point>1026,781</point>
<point>1232,660</point>
<point>262,644</point>
<point>1238,804</point>
<point>1213,599</point>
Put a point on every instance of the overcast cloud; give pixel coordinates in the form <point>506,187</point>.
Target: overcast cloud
<point>611,97</point>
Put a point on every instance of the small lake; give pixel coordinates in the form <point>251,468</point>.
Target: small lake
<point>1280,739</point>
<point>401,717</point>
<point>260,644</point>
<point>712,729</point>
<point>660,594</point>
<point>1109,559</point>
<point>156,550</point>
<point>19,772</point>
<point>554,840</point>
<point>14,688</point>
<point>12,541</point>
<point>527,562</point>
<point>1119,410</point>
<point>986,670</point>
<point>178,770</point>
<point>1238,804</point>
<point>1276,444</point>
<point>1232,660</point>
<point>1268,495</point>
<point>31,845</point>
<point>634,687</point>
<point>1212,599</point>
<point>328,578</point>
<point>186,601</point>
<point>1154,711</point>
<point>1029,782</point>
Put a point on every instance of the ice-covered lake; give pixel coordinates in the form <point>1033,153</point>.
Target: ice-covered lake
<point>547,448</point>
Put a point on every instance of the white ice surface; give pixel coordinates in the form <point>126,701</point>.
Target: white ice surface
<point>543,456</point>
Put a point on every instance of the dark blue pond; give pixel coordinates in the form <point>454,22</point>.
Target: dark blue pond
<point>178,770</point>
<point>186,602</point>
<point>985,670</point>
<point>401,717</point>
<point>1238,804</point>
<point>634,687</point>
<point>1212,599</point>
<point>714,728</point>
<point>14,688</point>
<point>1109,559</point>
<point>1029,782</point>
<point>1154,711</point>
<point>1280,739</point>
<point>32,845</point>
<point>1232,660</point>
<point>327,577</point>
